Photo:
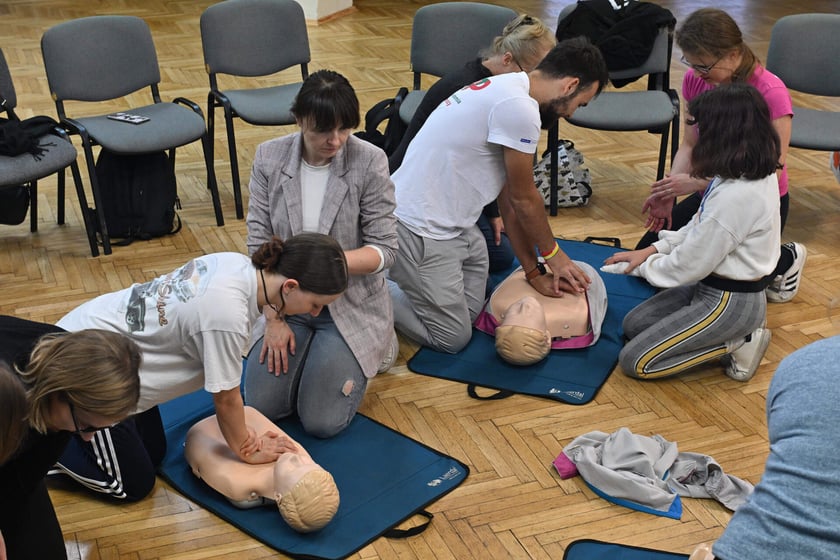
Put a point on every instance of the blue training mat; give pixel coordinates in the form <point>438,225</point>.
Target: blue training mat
<point>383,478</point>
<point>571,376</point>
<point>588,549</point>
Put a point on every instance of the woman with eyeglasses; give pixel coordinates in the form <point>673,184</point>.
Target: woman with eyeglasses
<point>524,42</point>
<point>193,326</point>
<point>52,385</point>
<point>715,53</point>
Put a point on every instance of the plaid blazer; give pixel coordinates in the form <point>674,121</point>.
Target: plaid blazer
<point>358,209</point>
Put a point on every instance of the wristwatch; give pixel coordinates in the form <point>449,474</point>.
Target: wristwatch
<point>538,270</point>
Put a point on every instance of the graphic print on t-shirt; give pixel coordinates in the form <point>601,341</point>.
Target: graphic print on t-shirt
<point>184,283</point>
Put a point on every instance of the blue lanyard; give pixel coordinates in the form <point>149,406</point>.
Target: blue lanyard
<point>708,190</point>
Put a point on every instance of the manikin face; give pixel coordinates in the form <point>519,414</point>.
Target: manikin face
<point>526,312</point>
<point>320,146</point>
<point>289,468</point>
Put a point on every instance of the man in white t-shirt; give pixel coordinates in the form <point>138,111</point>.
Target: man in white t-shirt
<point>476,147</point>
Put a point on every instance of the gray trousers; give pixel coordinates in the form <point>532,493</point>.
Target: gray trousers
<point>438,287</point>
<point>681,327</point>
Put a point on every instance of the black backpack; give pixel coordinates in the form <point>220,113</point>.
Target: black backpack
<point>385,110</point>
<point>138,195</point>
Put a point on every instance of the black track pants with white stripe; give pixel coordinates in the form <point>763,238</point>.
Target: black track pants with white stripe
<point>121,461</point>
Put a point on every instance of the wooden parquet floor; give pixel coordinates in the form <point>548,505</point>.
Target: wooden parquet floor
<point>513,505</point>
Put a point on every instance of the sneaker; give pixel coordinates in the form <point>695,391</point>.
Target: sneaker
<point>785,285</point>
<point>391,356</point>
<point>743,362</point>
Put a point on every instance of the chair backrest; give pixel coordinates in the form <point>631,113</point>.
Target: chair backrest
<point>254,37</point>
<point>99,58</point>
<point>446,36</point>
<point>8,97</point>
<point>805,53</point>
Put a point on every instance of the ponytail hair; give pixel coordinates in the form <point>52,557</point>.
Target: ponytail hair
<point>526,38</point>
<point>315,260</point>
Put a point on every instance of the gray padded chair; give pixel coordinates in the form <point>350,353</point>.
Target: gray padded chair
<point>57,154</point>
<point>446,36</point>
<point>656,109</point>
<point>251,38</point>
<point>102,58</point>
<point>803,52</point>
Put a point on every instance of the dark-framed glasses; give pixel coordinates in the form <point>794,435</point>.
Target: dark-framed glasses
<point>87,430</point>
<point>700,68</point>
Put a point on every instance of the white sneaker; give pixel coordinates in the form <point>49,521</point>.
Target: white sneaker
<point>391,356</point>
<point>742,364</point>
<point>785,285</point>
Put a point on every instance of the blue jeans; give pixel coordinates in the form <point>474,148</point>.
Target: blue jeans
<point>324,385</point>
<point>501,255</point>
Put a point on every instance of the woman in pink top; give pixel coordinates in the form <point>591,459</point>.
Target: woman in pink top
<point>714,50</point>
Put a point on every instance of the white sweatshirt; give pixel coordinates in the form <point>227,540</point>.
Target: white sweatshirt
<point>735,235</point>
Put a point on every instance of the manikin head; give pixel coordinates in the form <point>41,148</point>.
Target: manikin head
<point>304,492</point>
<point>523,339</point>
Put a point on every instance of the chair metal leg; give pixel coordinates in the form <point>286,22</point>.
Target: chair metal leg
<point>211,180</point>
<point>90,229</point>
<point>60,197</point>
<point>553,141</point>
<point>33,206</point>
<point>97,198</point>
<point>234,163</point>
<point>663,152</point>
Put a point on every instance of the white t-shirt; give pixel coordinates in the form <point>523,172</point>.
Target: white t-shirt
<point>455,165</point>
<point>313,184</point>
<point>192,325</point>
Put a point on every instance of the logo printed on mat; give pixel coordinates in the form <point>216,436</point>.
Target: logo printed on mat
<point>454,472</point>
<point>573,394</point>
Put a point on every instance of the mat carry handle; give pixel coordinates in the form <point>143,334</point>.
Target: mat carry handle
<point>499,395</point>
<point>405,533</point>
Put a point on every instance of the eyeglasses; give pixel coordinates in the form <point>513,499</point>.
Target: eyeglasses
<point>89,429</point>
<point>700,68</point>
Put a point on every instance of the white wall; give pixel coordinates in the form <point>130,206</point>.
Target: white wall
<point>320,9</point>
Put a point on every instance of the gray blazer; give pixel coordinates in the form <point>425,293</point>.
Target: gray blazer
<point>358,210</point>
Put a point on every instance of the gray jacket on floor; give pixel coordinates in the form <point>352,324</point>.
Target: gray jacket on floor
<point>647,473</point>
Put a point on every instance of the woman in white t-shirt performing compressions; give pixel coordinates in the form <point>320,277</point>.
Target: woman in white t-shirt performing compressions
<point>193,327</point>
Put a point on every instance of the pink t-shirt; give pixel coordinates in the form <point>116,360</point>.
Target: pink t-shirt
<point>770,86</point>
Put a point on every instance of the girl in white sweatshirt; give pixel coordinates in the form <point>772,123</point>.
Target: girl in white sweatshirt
<point>716,267</point>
